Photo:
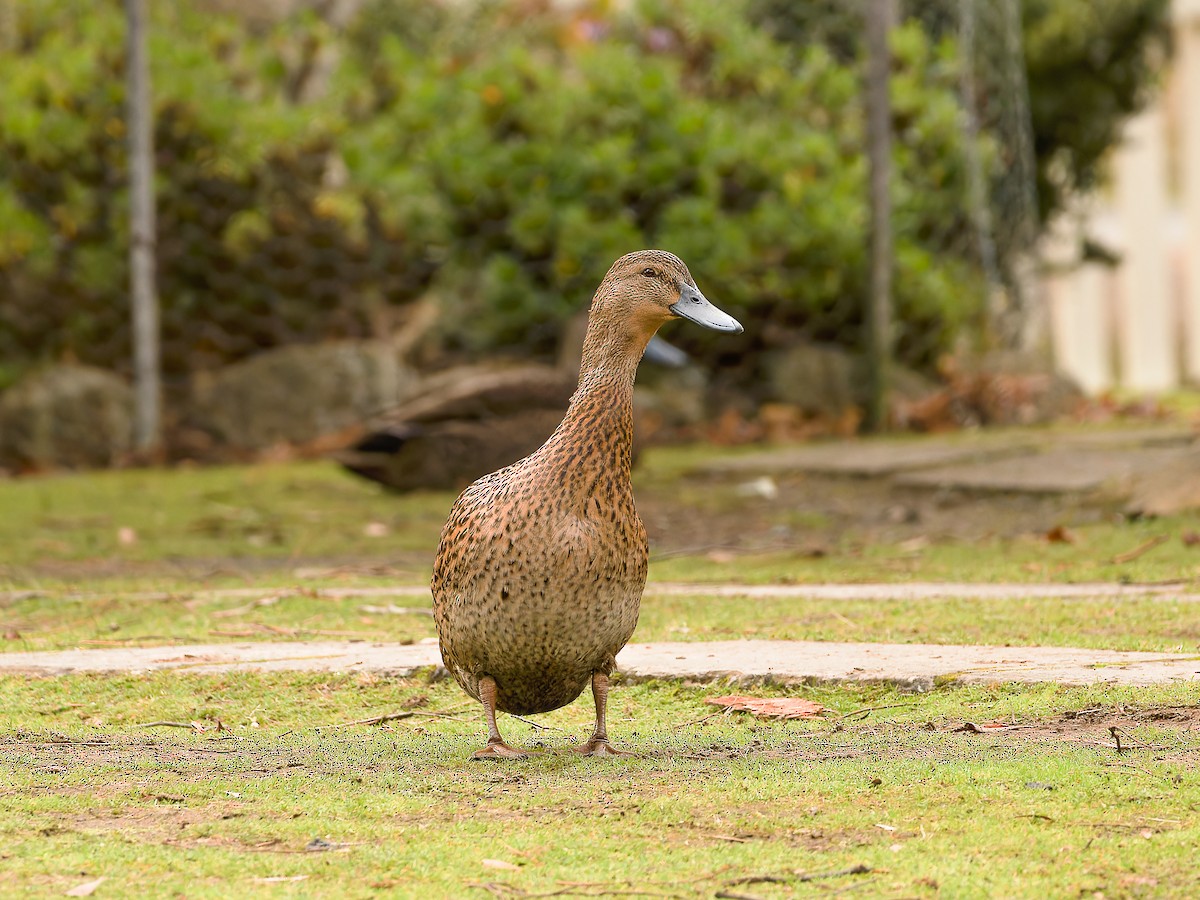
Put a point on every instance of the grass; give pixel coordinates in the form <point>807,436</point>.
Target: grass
<point>1045,810</point>
<point>1044,807</point>
<point>52,620</point>
<point>224,525</point>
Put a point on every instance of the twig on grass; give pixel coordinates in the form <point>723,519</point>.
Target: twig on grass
<point>373,720</point>
<point>499,889</point>
<point>858,869</point>
<point>1141,549</point>
<point>724,712</point>
<point>536,725</point>
<point>269,600</point>
<point>189,725</point>
<point>1116,731</point>
<point>393,610</point>
<point>871,709</point>
<point>673,882</point>
<point>730,895</point>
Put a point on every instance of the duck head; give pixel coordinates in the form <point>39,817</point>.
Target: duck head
<point>651,287</point>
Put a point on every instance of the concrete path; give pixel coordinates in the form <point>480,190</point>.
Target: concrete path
<point>914,666</point>
<point>1017,461</point>
<point>883,591</point>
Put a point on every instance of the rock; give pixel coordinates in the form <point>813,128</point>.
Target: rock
<point>297,394</point>
<point>669,400</point>
<point>1168,489</point>
<point>829,382</point>
<point>68,416</point>
<point>817,378</point>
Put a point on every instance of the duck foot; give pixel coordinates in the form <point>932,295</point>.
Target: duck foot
<point>600,747</point>
<point>501,750</point>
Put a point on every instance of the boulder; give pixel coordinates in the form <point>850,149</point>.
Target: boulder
<point>829,382</point>
<point>297,394</point>
<point>68,416</point>
<point>1169,490</point>
<point>818,379</point>
<point>670,401</point>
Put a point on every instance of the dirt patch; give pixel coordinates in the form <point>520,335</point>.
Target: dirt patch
<point>822,511</point>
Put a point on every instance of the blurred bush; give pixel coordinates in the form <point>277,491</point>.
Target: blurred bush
<point>1090,64</point>
<point>494,156</point>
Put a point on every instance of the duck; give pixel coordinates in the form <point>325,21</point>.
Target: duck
<point>540,569</point>
<point>471,420</point>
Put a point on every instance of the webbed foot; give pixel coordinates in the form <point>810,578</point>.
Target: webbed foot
<point>600,747</point>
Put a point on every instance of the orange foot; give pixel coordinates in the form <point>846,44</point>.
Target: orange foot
<point>596,747</point>
<point>501,750</point>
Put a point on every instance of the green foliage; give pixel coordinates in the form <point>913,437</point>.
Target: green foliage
<point>1092,63</point>
<point>257,246</point>
<point>502,161</point>
<point>680,126</point>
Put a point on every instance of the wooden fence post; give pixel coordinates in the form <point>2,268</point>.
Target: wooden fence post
<point>143,292</point>
<point>881,16</point>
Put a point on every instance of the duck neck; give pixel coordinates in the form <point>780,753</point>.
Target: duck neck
<point>598,427</point>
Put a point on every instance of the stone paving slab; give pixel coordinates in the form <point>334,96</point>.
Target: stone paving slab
<point>1023,461</point>
<point>1065,470</point>
<point>883,591</point>
<point>868,459</point>
<point>914,666</point>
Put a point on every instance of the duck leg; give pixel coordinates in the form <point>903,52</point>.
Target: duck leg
<point>496,748</point>
<point>598,745</point>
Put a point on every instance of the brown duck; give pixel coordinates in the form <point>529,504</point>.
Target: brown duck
<point>541,565</point>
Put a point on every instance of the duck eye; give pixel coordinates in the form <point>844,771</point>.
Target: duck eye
<point>649,273</point>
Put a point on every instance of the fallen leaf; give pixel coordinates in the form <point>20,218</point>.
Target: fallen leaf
<point>85,889</point>
<point>126,537</point>
<point>1060,535</point>
<point>1190,538</point>
<point>771,707</point>
<point>885,827</point>
<point>500,864</point>
<point>375,529</point>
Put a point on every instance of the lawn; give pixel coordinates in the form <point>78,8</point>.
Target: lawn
<point>264,785</point>
<point>900,793</point>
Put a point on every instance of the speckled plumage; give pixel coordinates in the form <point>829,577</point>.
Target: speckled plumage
<point>541,566</point>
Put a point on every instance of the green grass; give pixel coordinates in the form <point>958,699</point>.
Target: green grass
<point>51,620</point>
<point>222,526</point>
<point>279,512</point>
<point>86,792</point>
<point>1050,809</point>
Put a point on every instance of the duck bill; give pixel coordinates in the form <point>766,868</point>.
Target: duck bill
<point>693,306</point>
